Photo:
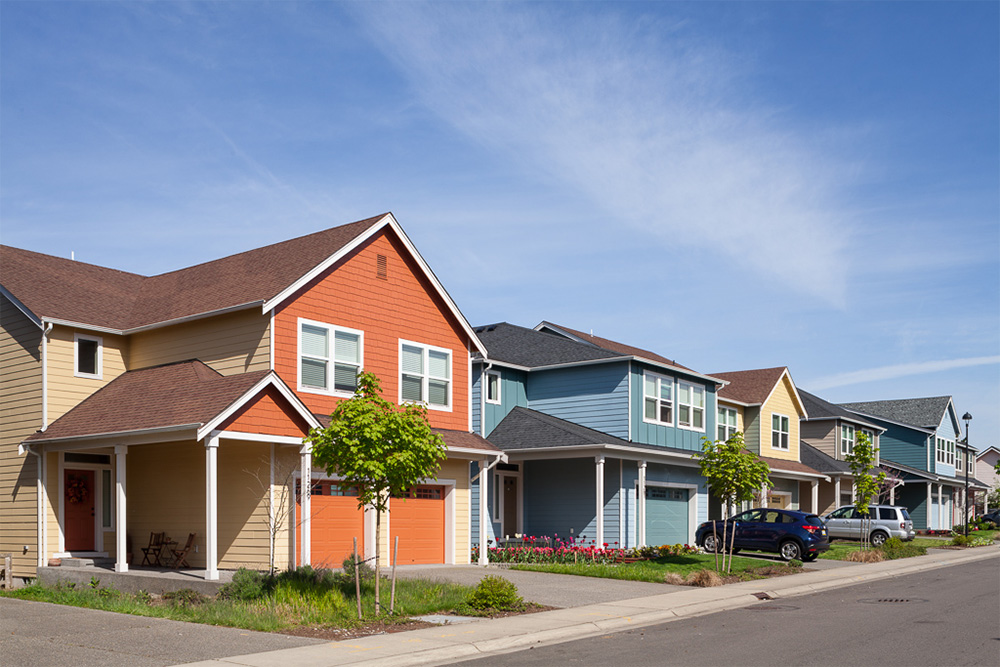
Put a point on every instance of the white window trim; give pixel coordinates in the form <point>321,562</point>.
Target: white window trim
<point>423,383</point>
<point>721,423</point>
<point>788,433</point>
<point>945,451</point>
<point>844,451</point>
<point>77,337</point>
<point>673,399</point>
<point>493,374</point>
<point>691,406</point>
<point>332,329</point>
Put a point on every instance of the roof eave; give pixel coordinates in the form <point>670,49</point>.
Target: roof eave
<point>37,321</point>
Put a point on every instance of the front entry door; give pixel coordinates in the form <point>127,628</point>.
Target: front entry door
<point>78,490</point>
<point>510,526</point>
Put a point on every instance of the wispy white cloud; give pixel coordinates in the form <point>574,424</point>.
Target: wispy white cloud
<point>897,371</point>
<point>642,116</point>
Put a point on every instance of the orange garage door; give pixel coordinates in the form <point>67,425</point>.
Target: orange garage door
<point>336,521</point>
<point>418,521</point>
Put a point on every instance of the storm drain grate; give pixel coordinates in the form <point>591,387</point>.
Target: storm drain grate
<point>762,596</point>
<point>892,600</point>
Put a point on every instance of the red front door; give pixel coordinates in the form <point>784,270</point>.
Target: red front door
<point>78,491</point>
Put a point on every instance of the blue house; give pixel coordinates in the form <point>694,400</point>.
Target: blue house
<point>921,444</point>
<point>599,438</point>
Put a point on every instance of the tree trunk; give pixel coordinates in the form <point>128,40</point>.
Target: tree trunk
<point>378,562</point>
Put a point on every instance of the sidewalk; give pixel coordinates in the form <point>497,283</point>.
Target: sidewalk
<point>444,644</point>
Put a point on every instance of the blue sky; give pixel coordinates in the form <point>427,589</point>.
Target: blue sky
<point>733,185</point>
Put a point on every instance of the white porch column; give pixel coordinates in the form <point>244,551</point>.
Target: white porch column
<point>600,501</point>
<point>940,506</point>
<point>854,492</point>
<point>42,553</point>
<point>640,521</point>
<point>305,500</point>
<point>930,505</point>
<point>836,492</point>
<point>892,493</point>
<point>815,496</point>
<point>484,514</point>
<point>121,528</point>
<point>212,507</point>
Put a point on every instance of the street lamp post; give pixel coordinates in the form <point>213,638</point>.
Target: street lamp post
<point>968,452</point>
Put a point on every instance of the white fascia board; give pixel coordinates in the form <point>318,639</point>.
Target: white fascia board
<point>582,451</point>
<point>795,392</point>
<point>139,436</point>
<point>271,379</point>
<point>257,437</point>
<point>730,401</point>
<point>20,306</point>
<point>473,453</point>
<point>85,327</point>
<point>795,474</point>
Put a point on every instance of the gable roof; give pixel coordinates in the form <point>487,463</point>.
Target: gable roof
<point>821,461</point>
<point>819,410</point>
<point>607,344</point>
<point>925,413</point>
<point>531,349</point>
<point>754,387</point>
<point>456,441</point>
<point>187,395</point>
<point>69,292</point>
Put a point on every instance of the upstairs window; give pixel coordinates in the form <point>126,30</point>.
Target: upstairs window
<point>329,358</point>
<point>846,439</point>
<point>779,432</point>
<point>690,406</point>
<point>87,356</point>
<point>945,452</point>
<point>658,399</point>
<point>726,423</point>
<point>425,375</point>
<point>493,387</point>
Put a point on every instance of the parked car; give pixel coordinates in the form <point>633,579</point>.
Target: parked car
<point>886,521</point>
<point>993,516</point>
<point>789,533</point>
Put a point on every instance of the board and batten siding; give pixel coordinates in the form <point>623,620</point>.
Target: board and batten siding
<point>512,395</point>
<point>20,416</point>
<point>65,390</point>
<point>595,396</point>
<point>670,436</point>
<point>231,344</point>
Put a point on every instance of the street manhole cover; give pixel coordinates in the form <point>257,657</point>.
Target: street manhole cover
<point>892,600</point>
<point>771,607</point>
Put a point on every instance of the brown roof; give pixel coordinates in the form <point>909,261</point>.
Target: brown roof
<point>179,394</point>
<point>59,288</point>
<point>788,466</point>
<point>463,439</point>
<point>752,387</point>
<point>620,348</point>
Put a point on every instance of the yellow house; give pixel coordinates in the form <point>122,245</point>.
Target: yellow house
<point>766,407</point>
<point>177,403</point>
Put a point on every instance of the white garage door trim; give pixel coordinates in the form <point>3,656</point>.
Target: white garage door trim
<point>692,504</point>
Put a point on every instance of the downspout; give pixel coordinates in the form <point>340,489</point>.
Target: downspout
<point>45,376</point>
<point>40,532</point>
<point>484,515</point>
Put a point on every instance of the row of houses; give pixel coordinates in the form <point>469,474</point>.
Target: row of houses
<point>178,403</point>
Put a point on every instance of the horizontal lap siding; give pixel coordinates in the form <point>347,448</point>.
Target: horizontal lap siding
<point>458,470</point>
<point>404,306</point>
<point>65,390</point>
<point>822,435</point>
<point>230,344</point>
<point>593,396</point>
<point>670,436</point>
<point>781,402</point>
<point>903,445</point>
<point>20,416</point>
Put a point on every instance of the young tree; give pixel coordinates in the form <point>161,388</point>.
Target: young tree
<point>866,485</point>
<point>382,448</point>
<point>734,474</point>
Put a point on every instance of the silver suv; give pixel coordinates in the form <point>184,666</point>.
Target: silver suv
<point>886,521</point>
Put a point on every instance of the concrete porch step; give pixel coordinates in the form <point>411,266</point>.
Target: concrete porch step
<point>96,561</point>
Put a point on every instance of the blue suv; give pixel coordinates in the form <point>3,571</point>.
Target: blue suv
<point>789,533</point>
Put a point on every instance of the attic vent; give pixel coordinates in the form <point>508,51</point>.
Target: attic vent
<point>381,267</point>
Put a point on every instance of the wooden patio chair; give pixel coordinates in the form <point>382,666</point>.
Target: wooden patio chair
<point>151,553</point>
<point>180,555</point>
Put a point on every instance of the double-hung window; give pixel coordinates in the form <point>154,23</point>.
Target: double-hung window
<point>425,375</point>
<point>690,406</point>
<point>946,451</point>
<point>330,358</point>
<point>846,439</point>
<point>779,432</point>
<point>658,399</point>
<point>493,387</point>
<point>726,423</point>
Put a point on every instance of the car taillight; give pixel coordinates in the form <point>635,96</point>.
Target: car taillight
<point>902,525</point>
<point>812,529</point>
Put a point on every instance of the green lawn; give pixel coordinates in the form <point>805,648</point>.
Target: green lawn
<point>839,549</point>
<point>650,570</point>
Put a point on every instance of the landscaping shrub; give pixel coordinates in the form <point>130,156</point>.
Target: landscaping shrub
<point>704,578</point>
<point>496,593</point>
<point>365,571</point>
<point>895,548</point>
<point>979,541</point>
<point>246,585</point>
<point>893,543</point>
<point>960,540</point>
<point>673,578</point>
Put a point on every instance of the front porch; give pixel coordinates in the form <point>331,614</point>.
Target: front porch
<point>153,580</point>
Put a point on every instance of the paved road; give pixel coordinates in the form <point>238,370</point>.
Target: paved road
<point>948,616</point>
<point>49,635</point>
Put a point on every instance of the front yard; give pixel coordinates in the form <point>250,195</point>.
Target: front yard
<point>657,570</point>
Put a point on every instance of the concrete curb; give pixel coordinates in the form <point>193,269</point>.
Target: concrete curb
<point>447,644</point>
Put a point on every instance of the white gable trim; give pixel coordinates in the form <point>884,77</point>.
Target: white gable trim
<point>271,379</point>
<point>795,393</point>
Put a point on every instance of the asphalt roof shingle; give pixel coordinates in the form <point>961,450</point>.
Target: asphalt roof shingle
<point>821,461</point>
<point>615,346</point>
<point>817,408</point>
<point>751,387</point>
<point>925,413</point>
<point>527,347</point>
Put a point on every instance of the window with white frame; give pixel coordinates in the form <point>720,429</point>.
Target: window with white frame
<point>493,387</point>
<point>658,399</point>
<point>871,436</point>
<point>87,353</point>
<point>330,358</point>
<point>779,431</point>
<point>725,423</point>
<point>958,459</point>
<point>846,439</point>
<point>946,451</point>
<point>425,375</point>
<point>690,406</point>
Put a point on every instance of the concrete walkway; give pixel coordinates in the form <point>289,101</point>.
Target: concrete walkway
<point>445,644</point>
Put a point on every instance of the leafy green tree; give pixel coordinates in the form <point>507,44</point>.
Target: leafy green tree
<point>866,485</point>
<point>382,448</point>
<point>735,475</point>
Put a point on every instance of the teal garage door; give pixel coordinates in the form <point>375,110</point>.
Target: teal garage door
<point>666,515</point>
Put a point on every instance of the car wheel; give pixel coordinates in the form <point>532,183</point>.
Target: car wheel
<point>879,538</point>
<point>790,550</point>
<point>709,543</point>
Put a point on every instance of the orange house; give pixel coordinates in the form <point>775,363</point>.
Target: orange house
<point>178,403</point>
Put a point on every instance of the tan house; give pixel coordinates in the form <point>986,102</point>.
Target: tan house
<point>177,403</point>
<point>766,407</point>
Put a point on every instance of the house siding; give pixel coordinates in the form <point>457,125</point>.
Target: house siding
<point>822,435</point>
<point>782,401</point>
<point>595,396</point>
<point>512,395</point>
<point>65,390</point>
<point>903,445</point>
<point>559,498</point>
<point>670,436</point>
<point>686,476</point>
<point>20,416</point>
